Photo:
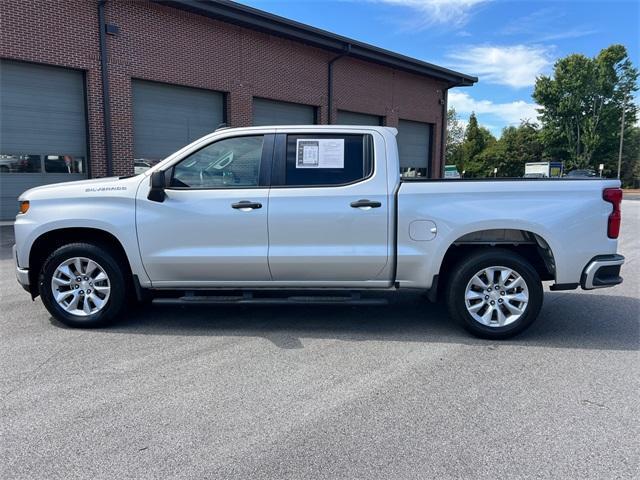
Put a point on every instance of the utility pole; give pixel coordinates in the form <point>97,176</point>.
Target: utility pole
<point>624,104</point>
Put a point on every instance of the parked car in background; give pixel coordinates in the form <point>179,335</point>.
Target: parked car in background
<point>140,166</point>
<point>582,173</point>
<point>6,165</point>
<point>293,214</point>
<point>19,163</point>
<point>451,171</point>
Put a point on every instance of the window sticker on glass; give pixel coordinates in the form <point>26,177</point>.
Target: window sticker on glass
<point>320,153</point>
<point>307,153</point>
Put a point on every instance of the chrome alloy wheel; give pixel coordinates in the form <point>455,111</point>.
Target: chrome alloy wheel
<point>80,286</point>
<point>496,296</point>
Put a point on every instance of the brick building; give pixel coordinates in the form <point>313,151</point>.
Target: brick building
<point>87,86</point>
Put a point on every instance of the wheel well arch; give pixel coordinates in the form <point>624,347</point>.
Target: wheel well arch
<point>530,245</point>
<point>49,241</point>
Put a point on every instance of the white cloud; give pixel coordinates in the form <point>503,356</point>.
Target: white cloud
<point>567,34</point>
<point>547,24</point>
<point>453,13</point>
<point>514,65</point>
<point>511,113</point>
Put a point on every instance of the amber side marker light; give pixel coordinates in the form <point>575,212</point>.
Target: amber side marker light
<point>24,206</point>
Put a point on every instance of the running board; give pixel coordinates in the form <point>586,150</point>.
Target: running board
<point>249,298</point>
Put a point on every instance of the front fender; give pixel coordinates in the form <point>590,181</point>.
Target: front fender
<point>115,216</point>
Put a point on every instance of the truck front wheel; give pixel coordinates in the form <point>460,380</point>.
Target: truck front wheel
<point>494,294</point>
<point>82,285</point>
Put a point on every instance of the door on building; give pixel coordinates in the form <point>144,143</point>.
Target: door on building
<point>354,118</point>
<point>414,148</point>
<point>168,117</point>
<point>43,129</point>
<point>270,112</point>
<point>212,225</point>
<point>328,218</point>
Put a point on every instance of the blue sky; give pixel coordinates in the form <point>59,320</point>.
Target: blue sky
<point>506,43</point>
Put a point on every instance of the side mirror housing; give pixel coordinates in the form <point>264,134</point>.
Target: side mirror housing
<point>156,193</point>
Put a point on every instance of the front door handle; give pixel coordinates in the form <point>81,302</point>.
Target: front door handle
<point>246,205</point>
<point>365,203</point>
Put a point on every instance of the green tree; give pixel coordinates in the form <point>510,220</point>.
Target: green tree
<point>493,156</point>
<point>515,147</point>
<point>455,137</point>
<point>630,171</point>
<point>522,144</point>
<point>476,140</point>
<point>581,105</point>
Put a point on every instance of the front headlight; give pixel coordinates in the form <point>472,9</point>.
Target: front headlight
<point>24,206</point>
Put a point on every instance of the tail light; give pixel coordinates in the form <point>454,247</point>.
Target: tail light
<point>614,197</point>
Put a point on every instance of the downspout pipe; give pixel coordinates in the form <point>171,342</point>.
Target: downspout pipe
<point>347,51</point>
<point>106,103</point>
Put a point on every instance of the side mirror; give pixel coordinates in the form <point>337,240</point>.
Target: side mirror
<point>156,194</point>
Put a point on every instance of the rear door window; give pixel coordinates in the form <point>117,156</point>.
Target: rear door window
<point>327,159</point>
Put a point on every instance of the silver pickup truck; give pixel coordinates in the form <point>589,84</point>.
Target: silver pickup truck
<point>313,214</point>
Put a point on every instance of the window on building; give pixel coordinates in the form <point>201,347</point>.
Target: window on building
<point>355,118</point>
<point>228,163</point>
<point>63,164</point>
<point>271,112</point>
<point>20,164</point>
<point>314,159</point>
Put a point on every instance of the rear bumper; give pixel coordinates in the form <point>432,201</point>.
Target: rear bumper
<point>602,271</point>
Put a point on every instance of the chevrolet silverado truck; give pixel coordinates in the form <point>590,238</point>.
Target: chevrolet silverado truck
<point>292,214</point>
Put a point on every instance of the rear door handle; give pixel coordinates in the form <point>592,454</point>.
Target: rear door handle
<point>246,205</point>
<point>365,203</point>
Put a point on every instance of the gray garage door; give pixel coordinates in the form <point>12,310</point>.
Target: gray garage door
<point>43,134</point>
<point>168,117</point>
<point>414,148</point>
<point>269,112</point>
<point>354,118</point>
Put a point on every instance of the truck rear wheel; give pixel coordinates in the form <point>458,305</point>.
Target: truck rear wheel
<point>82,285</point>
<point>494,294</point>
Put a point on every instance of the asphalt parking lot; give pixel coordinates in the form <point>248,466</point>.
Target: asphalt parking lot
<point>324,392</point>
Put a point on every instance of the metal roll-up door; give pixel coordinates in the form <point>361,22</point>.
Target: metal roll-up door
<point>355,118</point>
<point>414,148</point>
<point>43,129</point>
<point>269,112</point>
<point>168,117</point>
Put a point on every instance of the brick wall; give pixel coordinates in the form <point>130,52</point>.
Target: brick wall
<point>164,44</point>
<point>396,95</point>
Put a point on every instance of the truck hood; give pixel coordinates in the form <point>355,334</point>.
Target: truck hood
<point>124,186</point>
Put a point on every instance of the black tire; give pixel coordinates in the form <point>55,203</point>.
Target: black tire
<point>117,282</point>
<point>465,270</point>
